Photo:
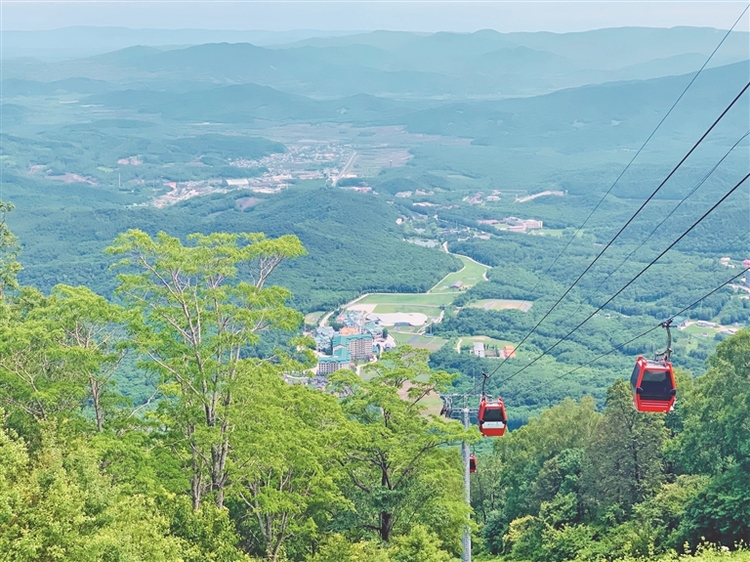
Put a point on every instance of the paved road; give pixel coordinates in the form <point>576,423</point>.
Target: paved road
<point>345,168</point>
<point>325,318</point>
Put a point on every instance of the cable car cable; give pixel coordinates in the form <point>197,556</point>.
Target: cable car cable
<point>638,152</point>
<point>696,223</point>
<point>630,220</point>
<point>631,340</point>
<point>688,307</point>
<point>700,183</point>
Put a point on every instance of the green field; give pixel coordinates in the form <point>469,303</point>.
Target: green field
<point>428,309</point>
<point>488,342</point>
<point>469,340</point>
<point>471,274</point>
<point>501,304</point>
<point>433,404</point>
<point>423,299</point>
<point>432,343</point>
<point>698,331</point>
<point>313,318</point>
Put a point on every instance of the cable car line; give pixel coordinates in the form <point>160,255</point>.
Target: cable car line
<point>638,152</point>
<point>630,220</point>
<point>679,238</point>
<point>700,183</point>
<point>656,327</point>
<point>631,340</point>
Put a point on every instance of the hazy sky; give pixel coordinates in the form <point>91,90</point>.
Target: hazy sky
<point>280,15</point>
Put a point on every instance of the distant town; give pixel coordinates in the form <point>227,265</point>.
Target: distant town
<point>354,338</point>
<point>301,162</point>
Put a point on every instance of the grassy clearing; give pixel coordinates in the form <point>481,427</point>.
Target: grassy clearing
<point>425,299</point>
<point>554,232</point>
<point>502,304</point>
<point>313,318</point>
<point>431,343</point>
<point>486,340</point>
<point>413,339</point>
<point>471,274</point>
<point>433,403</point>
<point>401,338</point>
<point>428,309</point>
<point>467,343</point>
<point>698,331</point>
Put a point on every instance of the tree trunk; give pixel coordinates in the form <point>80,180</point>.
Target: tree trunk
<point>386,525</point>
<point>96,397</point>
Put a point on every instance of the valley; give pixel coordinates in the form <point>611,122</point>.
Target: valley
<point>375,174</point>
<point>240,270</point>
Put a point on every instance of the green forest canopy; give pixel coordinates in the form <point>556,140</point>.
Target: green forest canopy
<point>227,461</point>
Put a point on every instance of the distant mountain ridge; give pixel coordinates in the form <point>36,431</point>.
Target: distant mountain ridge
<point>402,65</point>
<point>619,111</point>
<point>85,41</point>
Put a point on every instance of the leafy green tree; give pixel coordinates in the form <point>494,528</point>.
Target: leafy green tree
<point>714,441</point>
<point>285,459</point>
<point>627,462</point>
<point>9,265</point>
<point>522,454</point>
<point>57,505</point>
<point>36,383</point>
<point>60,353</point>
<point>714,416</point>
<point>337,548</point>
<point>89,338</point>
<point>399,471</point>
<point>419,545</point>
<point>719,513</point>
<point>192,321</point>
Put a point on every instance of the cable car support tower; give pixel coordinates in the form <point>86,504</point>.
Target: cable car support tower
<point>464,414</point>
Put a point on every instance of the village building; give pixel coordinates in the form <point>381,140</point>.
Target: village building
<point>340,359</point>
<point>508,352</point>
<point>359,346</point>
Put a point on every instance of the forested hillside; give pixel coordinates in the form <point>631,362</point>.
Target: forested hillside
<point>579,484</point>
<point>228,461</point>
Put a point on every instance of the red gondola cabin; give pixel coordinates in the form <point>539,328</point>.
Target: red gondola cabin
<point>472,464</point>
<point>654,387</point>
<point>492,418</point>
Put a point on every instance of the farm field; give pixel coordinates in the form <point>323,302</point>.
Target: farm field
<point>424,299</point>
<point>313,318</point>
<point>471,274</point>
<point>428,309</point>
<point>413,339</point>
<point>486,340</point>
<point>698,331</point>
<point>502,304</point>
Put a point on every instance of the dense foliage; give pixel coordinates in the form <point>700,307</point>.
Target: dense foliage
<point>225,460</point>
<point>228,461</point>
<point>576,484</point>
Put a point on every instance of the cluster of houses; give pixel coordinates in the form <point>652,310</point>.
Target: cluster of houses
<point>507,352</point>
<point>514,224</point>
<point>727,262</point>
<point>359,339</point>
